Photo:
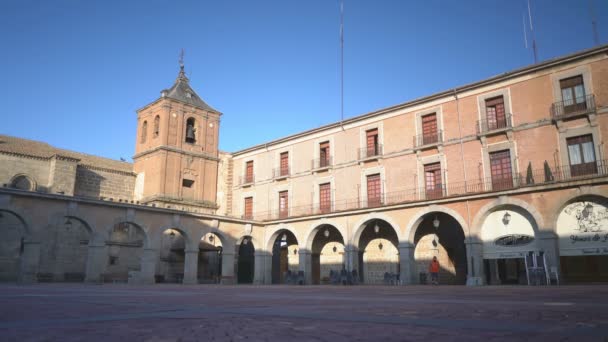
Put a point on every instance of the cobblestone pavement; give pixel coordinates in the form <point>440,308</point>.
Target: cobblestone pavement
<point>72,312</point>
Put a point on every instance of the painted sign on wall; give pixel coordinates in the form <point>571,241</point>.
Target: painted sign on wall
<point>582,228</point>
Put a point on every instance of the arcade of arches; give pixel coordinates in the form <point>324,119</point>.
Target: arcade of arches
<point>507,239</point>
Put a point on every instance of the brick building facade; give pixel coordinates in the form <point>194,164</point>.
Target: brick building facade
<point>503,180</point>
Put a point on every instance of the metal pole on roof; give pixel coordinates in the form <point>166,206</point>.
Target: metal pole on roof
<point>533,35</point>
<point>341,63</point>
<point>596,36</point>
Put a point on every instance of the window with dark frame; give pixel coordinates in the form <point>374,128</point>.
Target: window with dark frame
<point>374,191</point>
<point>156,126</point>
<point>372,142</point>
<point>283,204</point>
<point>429,129</point>
<point>501,170</point>
<point>325,197</point>
<point>248,212</point>
<point>573,94</point>
<point>433,182</point>
<point>324,154</point>
<point>495,113</point>
<point>581,155</point>
<point>187,183</point>
<point>284,167</point>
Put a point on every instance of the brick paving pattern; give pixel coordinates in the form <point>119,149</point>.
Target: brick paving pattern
<point>72,312</point>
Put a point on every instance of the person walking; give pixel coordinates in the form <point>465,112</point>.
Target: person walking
<point>434,271</point>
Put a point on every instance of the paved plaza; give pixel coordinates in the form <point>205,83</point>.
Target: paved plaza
<point>73,312</point>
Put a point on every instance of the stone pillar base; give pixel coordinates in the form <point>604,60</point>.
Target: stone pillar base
<point>474,281</point>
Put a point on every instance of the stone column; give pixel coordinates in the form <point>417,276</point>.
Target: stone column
<point>28,267</point>
<point>406,263</point>
<point>96,262</point>
<point>228,276</point>
<point>548,243</point>
<point>148,266</point>
<point>268,268</point>
<point>352,258</point>
<point>474,263</point>
<point>306,265</point>
<point>191,267</point>
<point>259,267</point>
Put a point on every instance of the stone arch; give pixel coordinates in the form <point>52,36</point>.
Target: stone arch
<point>179,228</point>
<point>361,224</point>
<point>314,228</point>
<point>584,193</point>
<point>135,222</point>
<point>17,182</point>
<point>419,216</point>
<point>20,215</point>
<point>276,232</point>
<point>503,202</point>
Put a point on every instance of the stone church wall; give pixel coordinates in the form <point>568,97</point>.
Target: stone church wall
<point>96,183</point>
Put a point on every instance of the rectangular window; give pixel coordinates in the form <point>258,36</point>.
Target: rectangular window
<point>248,212</point>
<point>374,191</point>
<point>500,166</point>
<point>372,142</point>
<point>283,204</point>
<point>187,183</point>
<point>432,177</point>
<point>324,154</point>
<point>325,198</point>
<point>429,129</point>
<point>249,172</point>
<point>581,153</point>
<point>573,94</point>
<point>284,170</point>
<point>495,113</point>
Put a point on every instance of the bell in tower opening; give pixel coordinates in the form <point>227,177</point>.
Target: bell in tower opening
<point>190,131</point>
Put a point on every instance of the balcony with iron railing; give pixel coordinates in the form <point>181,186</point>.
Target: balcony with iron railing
<point>280,173</point>
<point>428,140</point>
<point>573,108</point>
<point>545,176</point>
<point>370,152</point>
<point>494,125</point>
<point>246,180</point>
<point>320,164</point>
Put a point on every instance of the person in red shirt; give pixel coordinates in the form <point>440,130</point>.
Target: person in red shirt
<point>434,271</point>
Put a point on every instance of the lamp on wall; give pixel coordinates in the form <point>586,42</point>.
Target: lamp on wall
<point>326,233</point>
<point>172,234</point>
<point>68,224</point>
<point>376,228</point>
<point>506,218</point>
<point>436,222</point>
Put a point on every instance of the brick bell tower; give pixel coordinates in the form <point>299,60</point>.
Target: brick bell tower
<point>176,151</point>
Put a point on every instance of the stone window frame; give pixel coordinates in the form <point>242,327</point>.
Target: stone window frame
<point>581,70</point>
<point>363,188</point>
<point>421,162</point>
<point>481,105</point>
<point>274,202</point>
<point>144,132</point>
<point>564,135</point>
<point>363,136</point>
<point>33,183</point>
<point>156,127</point>
<point>496,147</point>
<point>196,129</point>
<point>316,191</point>
<point>438,110</point>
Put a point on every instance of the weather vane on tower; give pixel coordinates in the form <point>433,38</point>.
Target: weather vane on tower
<point>181,59</point>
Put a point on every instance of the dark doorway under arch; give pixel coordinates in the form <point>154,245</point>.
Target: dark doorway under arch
<point>245,261</point>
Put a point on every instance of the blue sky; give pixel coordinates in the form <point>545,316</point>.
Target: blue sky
<point>74,72</point>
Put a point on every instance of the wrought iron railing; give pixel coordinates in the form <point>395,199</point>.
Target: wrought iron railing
<point>494,124</point>
<point>569,108</point>
<point>281,172</point>
<point>321,163</point>
<point>247,179</point>
<point>370,151</point>
<point>421,140</point>
<point>544,176</point>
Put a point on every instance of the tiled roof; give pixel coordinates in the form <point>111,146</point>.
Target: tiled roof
<point>14,145</point>
<point>181,91</point>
